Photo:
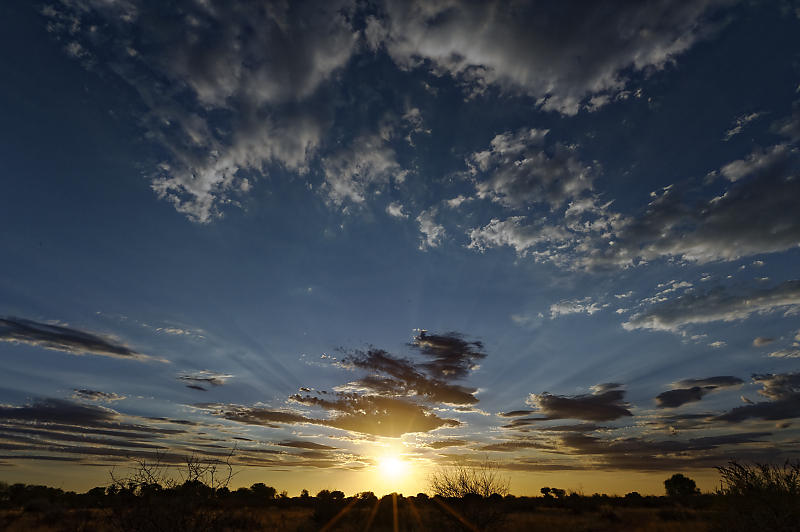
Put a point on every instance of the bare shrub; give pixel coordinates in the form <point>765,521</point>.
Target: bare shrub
<point>475,492</point>
<point>483,479</point>
<point>759,497</point>
<point>158,496</point>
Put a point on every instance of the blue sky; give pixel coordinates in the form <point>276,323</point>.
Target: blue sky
<point>561,237</point>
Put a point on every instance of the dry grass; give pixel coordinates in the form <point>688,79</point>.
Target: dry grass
<point>296,519</point>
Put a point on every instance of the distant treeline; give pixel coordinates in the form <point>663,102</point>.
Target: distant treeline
<point>750,497</point>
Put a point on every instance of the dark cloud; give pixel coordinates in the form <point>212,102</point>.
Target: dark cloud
<point>373,415</point>
<point>516,445</point>
<point>515,413</point>
<point>718,304</point>
<point>197,379</point>
<point>567,57</point>
<point>755,215</point>
<point>604,405</point>
<point>451,356</point>
<point>396,397</point>
<point>376,415</point>
<point>680,396</point>
<point>717,382</point>
<point>396,376</point>
<point>97,396</point>
<point>59,411</point>
<point>442,444</point>
<point>783,392</point>
<point>655,455</point>
<point>61,338</point>
<point>304,444</point>
<point>692,390</point>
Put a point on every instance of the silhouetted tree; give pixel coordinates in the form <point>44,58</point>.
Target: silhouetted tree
<point>263,492</point>
<point>680,486</point>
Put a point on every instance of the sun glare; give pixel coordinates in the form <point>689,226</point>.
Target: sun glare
<point>392,466</point>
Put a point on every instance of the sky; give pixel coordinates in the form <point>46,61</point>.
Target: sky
<point>320,237</point>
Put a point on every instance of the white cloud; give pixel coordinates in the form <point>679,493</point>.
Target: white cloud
<point>456,202</point>
<point>395,210</point>
<point>351,172</point>
<point>237,61</point>
<point>514,232</point>
<point>575,306</point>
<point>517,170</point>
<point>432,232</point>
<point>739,124</point>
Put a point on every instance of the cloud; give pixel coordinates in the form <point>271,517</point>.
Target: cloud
<point>303,444</point>
<point>783,392</point>
<point>755,215</point>
<point>62,338</point>
<point>785,353</point>
<point>395,376</point>
<point>574,306</point>
<point>397,395</point>
<point>217,82</point>
<point>719,304</point>
<point>432,232</point>
<point>395,210</point>
<point>739,124</point>
<point>776,160</point>
<point>789,127</point>
<point>197,379</point>
<point>450,355</point>
<point>517,233</point>
<point>515,413</point>
<point>97,396</point>
<point>567,58</point>
<point>762,341</point>
<point>352,172</point>
<point>441,444</point>
<point>517,170</point>
<point>650,455</point>
<point>515,445</point>
<point>603,405</point>
<point>692,390</point>
<point>373,415</point>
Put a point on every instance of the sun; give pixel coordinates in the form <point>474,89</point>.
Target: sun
<point>392,466</point>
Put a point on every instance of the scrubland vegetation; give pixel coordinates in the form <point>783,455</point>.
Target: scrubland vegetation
<point>751,497</point>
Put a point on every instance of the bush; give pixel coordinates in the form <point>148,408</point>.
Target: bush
<point>759,497</point>
<point>680,487</point>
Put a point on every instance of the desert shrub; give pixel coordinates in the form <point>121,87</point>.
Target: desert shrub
<point>759,497</point>
<point>483,479</point>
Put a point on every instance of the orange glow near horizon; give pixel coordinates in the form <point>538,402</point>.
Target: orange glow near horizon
<point>409,478</point>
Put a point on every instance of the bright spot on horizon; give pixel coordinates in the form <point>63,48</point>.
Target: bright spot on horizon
<point>392,467</point>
